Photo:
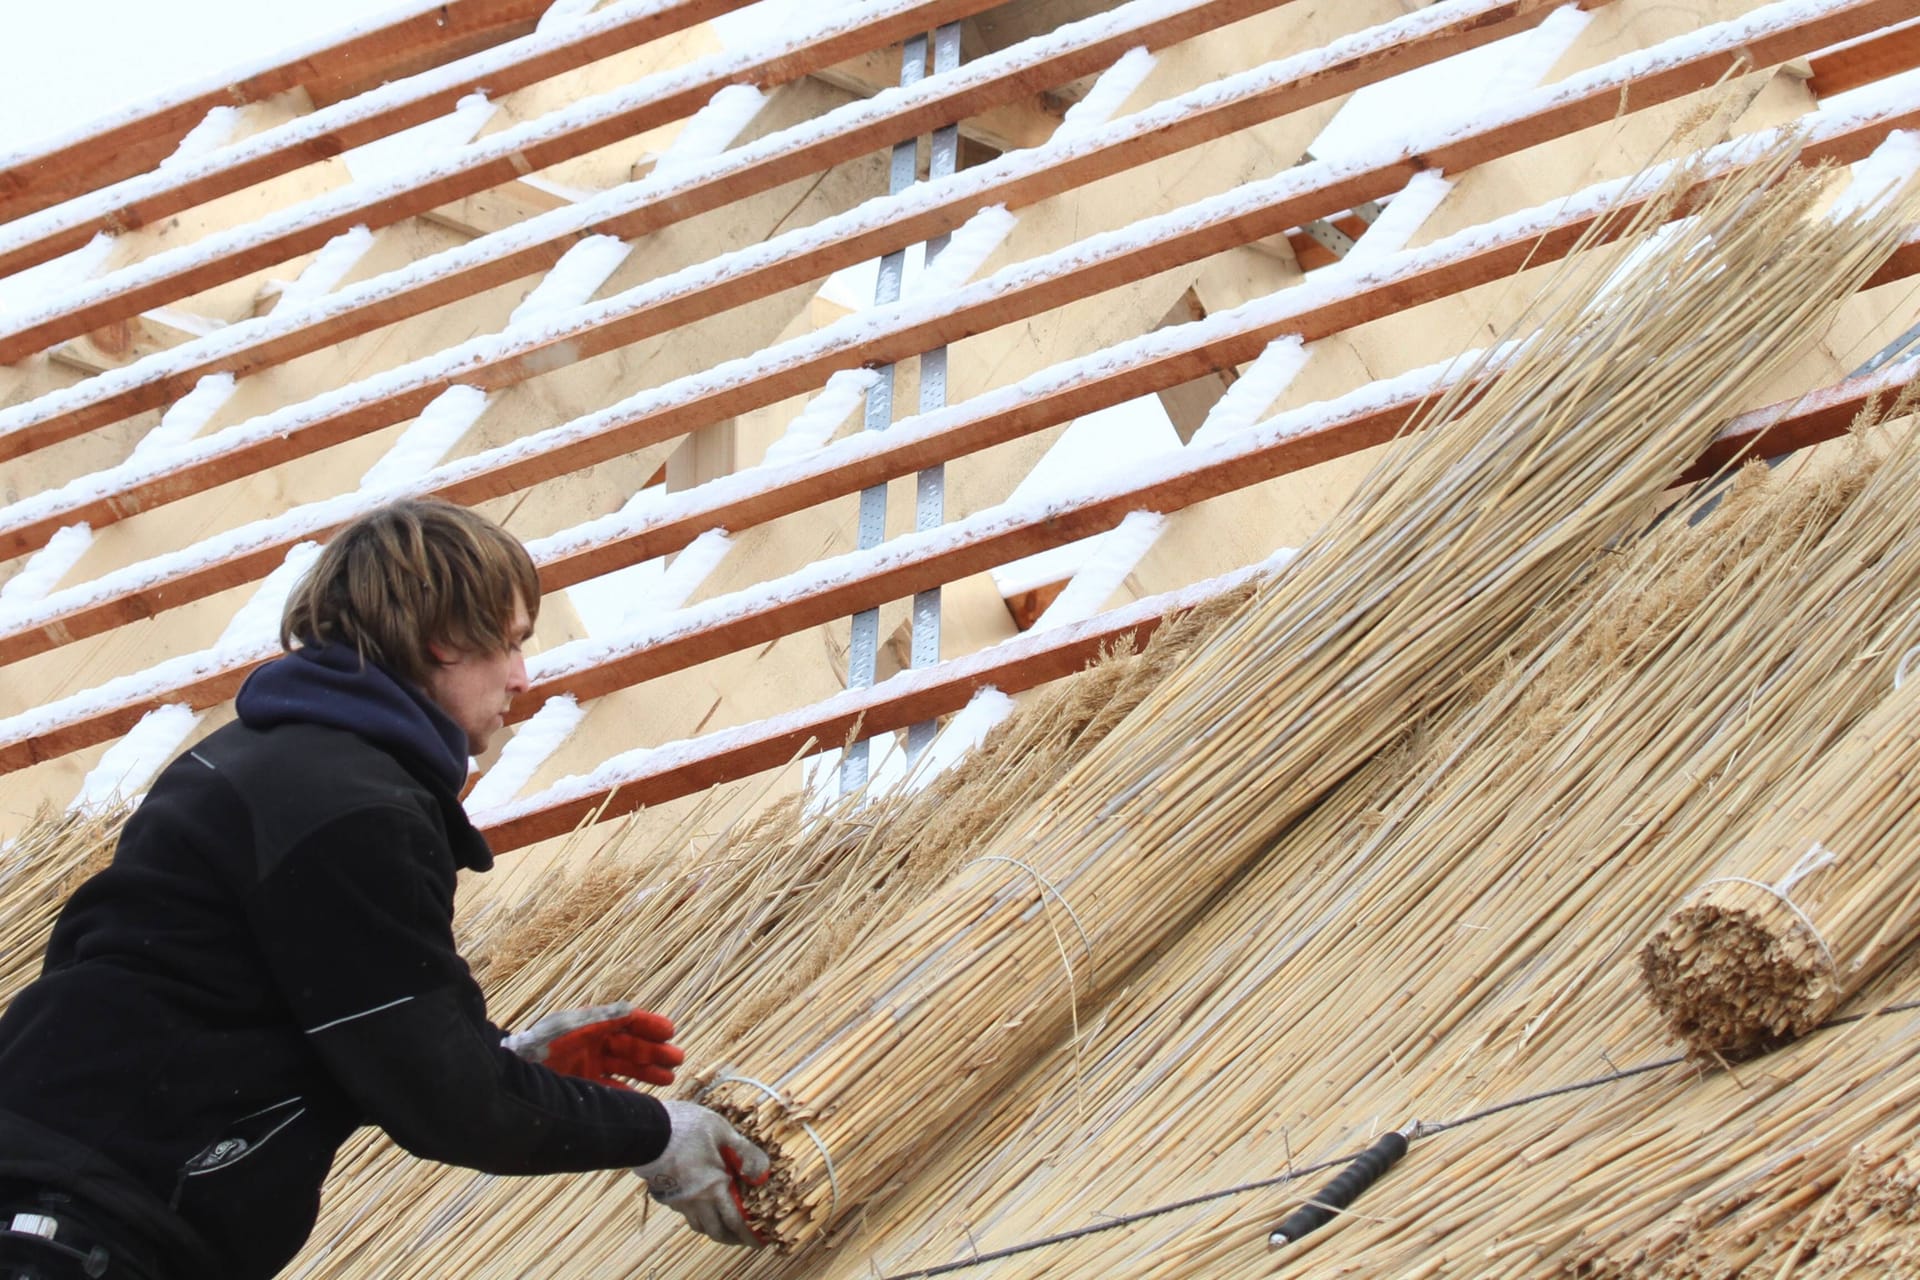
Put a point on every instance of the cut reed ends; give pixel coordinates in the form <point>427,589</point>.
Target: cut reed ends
<point>1813,905</point>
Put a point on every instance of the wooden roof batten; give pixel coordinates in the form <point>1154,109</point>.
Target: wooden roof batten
<point>68,168</point>
<point>487,162</point>
<point>147,198</point>
<point>1109,377</point>
<point>645,778</point>
<point>1199,231</point>
<point>933,102</point>
<point>991,538</point>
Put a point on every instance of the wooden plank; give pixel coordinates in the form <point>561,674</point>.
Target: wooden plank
<point>731,755</point>
<point>964,429</point>
<point>488,164</point>
<point>805,364</point>
<point>920,113</point>
<point>156,196</point>
<point>897,570</point>
<point>1864,61</point>
<point>123,150</point>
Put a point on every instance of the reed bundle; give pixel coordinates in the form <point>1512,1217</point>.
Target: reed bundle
<point>1445,933</point>
<point>715,937</point>
<point>1812,905</point>
<point>1449,545</point>
<point>38,873</point>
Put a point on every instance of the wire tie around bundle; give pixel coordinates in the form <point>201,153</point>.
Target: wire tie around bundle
<point>1047,886</point>
<point>826,1157</point>
<point>1900,672</point>
<point>1792,906</point>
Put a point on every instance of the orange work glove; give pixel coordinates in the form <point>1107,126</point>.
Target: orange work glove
<point>602,1043</point>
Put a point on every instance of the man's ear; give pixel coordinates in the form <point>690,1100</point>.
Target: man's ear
<point>442,653</point>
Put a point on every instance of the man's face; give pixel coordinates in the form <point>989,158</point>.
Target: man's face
<point>475,688</point>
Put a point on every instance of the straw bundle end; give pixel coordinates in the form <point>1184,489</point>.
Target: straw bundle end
<point>1737,971</point>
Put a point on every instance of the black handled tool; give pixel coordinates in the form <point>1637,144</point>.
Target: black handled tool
<point>1338,1194</point>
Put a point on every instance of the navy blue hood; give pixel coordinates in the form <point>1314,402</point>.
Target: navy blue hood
<point>332,685</point>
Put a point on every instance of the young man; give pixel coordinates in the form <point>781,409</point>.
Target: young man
<point>268,963</point>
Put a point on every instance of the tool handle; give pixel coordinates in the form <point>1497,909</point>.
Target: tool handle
<point>1339,1193</point>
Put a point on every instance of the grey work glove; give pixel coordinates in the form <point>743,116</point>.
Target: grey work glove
<point>703,1171</point>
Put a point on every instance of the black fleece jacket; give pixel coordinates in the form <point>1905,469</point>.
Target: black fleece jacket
<point>269,963</point>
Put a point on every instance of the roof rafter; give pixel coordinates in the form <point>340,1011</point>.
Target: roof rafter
<point>489,162</point>
<point>1178,356</point>
<point>935,102</point>
<point>324,134</point>
<point>1078,272</point>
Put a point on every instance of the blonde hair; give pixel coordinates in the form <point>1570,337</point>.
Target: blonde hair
<point>410,574</point>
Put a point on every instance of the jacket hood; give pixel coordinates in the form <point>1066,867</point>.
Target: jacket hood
<point>332,685</point>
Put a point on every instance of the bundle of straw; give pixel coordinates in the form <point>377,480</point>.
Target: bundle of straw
<point>717,937</point>
<point>39,870</point>
<point>1454,540</point>
<point>1810,907</point>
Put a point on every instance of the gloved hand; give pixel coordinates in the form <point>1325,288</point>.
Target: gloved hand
<point>601,1043</point>
<point>700,1174</point>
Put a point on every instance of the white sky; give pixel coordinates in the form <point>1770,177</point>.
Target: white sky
<point>66,62</point>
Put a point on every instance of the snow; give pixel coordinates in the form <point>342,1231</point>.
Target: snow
<point>131,763</point>
<point>43,569</point>
<point>160,679</point>
<point>440,426</point>
<point>258,621</point>
<point>397,156</point>
<point>709,131</point>
<point>532,744</point>
<point>564,13</point>
<point>214,131</point>
<point>814,425</point>
<point>1109,93</point>
<point>184,419</point>
<point>1451,91</point>
<point>574,279</point>
<point>965,251</point>
<point>1879,178</point>
<point>641,763</point>
<point>1255,390</point>
<point>1099,444</point>
<point>394,165</point>
<point>750,26</point>
<point>1114,556</point>
<point>964,188</point>
<point>327,269</point>
<point>31,290</point>
<point>613,602</point>
<point>1398,222</point>
<point>130,73</point>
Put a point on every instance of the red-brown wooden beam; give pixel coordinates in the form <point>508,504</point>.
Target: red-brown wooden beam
<point>488,168</point>
<point>733,754</point>
<point>306,141</point>
<point>123,150</point>
<point>969,430</point>
<point>930,108</point>
<point>891,572</point>
<point>806,364</point>
<point>1864,61</point>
